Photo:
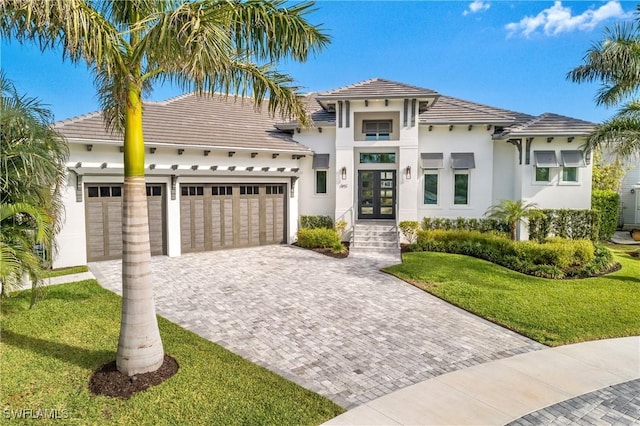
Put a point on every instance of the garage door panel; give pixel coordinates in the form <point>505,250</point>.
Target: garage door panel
<point>103,210</point>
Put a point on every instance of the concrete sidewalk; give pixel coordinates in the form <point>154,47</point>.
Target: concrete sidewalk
<point>498,392</point>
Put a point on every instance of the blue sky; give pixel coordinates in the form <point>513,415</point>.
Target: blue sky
<point>508,54</point>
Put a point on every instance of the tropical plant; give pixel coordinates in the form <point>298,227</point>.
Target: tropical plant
<point>204,45</point>
<point>23,225</point>
<point>33,154</point>
<point>512,212</point>
<point>32,160</point>
<point>615,63</point>
<point>606,176</point>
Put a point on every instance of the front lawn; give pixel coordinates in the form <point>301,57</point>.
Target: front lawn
<point>553,312</point>
<point>49,352</point>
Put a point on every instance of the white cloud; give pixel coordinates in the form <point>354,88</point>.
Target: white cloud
<point>559,19</point>
<point>477,6</point>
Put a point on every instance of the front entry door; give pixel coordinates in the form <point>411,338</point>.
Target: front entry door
<point>376,194</point>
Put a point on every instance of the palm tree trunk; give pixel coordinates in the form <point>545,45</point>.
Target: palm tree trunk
<point>140,347</point>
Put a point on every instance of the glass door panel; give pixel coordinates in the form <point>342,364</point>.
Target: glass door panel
<point>376,194</point>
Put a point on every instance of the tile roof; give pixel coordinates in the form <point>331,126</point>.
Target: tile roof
<point>377,87</point>
<point>450,110</point>
<point>190,120</point>
<point>549,124</point>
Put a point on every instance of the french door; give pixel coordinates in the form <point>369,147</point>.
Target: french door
<point>376,194</point>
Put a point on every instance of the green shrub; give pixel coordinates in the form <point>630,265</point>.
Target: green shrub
<point>608,204</point>
<point>340,227</point>
<point>409,229</point>
<point>564,223</point>
<point>473,224</point>
<point>316,221</point>
<point>554,258</point>
<point>318,238</point>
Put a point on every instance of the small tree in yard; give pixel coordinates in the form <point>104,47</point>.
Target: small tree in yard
<point>512,212</point>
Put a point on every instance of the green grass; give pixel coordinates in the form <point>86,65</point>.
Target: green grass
<point>48,354</point>
<point>553,312</point>
<point>66,271</point>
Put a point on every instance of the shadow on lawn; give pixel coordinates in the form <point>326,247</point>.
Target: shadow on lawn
<point>81,357</point>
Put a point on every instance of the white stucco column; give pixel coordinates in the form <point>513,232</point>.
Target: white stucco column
<point>174,243</point>
<point>407,186</point>
<point>345,189</point>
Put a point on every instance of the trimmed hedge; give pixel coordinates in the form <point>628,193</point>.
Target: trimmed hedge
<point>608,204</point>
<point>564,223</point>
<point>556,258</point>
<point>316,221</point>
<point>481,225</point>
<point>318,238</point>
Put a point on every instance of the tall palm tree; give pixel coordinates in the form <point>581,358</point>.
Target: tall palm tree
<point>615,63</point>
<point>203,45</point>
<point>32,164</point>
<point>512,212</point>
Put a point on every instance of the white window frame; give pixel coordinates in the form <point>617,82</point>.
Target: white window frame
<point>326,183</point>
<point>552,173</point>
<point>563,182</point>
<point>436,172</point>
<point>453,199</point>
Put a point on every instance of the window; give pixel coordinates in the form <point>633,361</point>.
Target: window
<point>104,191</point>
<point>321,181</point>
<point>249,190</point>
<point>275,189</point>
<point>461,188</point>
<point>377,130</point>
<point>192,190</point>
<point>431,188</point>
<point>543,174</point>
<point>375,157</point>
<point>570,174</point>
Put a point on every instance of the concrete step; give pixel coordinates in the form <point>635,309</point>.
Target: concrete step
<point>375,244</point>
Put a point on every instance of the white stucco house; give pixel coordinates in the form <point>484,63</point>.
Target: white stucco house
<point>222,174</point>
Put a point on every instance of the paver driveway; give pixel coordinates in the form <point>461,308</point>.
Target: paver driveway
<point>339,327</point>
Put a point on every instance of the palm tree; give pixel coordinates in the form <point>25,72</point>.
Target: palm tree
<point>511,212</point>
<point>32,160</point>
<point>203,45</point>
<point>615,63</point>
<point>23,225</point>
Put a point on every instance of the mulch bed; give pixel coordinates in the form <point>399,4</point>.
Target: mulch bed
<point>329,252</point>
<point>109,381</point>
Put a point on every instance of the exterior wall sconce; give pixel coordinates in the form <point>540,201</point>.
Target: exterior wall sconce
<point>152,150</point>
<point>180,151</point>
<point>570,139</point>
<point>343,173</point>
<point>319,129</point>
<point>89,147</point>
<point>407,173</point>
<point>549,139</point>
<point>231,153</point>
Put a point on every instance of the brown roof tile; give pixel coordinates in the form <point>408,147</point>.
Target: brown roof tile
<point>549,124</point>
<point>377,87</point>
<point>450,110</point>
<point>190,120</point>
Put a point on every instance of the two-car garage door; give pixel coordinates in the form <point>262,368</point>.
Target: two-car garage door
<point>217,216</point>
<point>212,216</point>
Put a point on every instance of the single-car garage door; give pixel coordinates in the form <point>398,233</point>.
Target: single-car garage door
<point>104,220</point>
<point>216,216</point>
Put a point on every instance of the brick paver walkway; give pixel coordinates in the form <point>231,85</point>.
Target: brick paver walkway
<point>614,405</point>
<point>339,327</point>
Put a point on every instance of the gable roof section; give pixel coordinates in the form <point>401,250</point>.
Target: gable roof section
<point>377,87</point>
<point>549,124</point>
<point>450,110</point>
<point>212,121</point>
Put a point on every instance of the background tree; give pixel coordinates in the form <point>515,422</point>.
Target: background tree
<point>607,175</point>
<point>201,45</point>
<point>512,212</point>
<point>615,63</point>
<point>32,164</point>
